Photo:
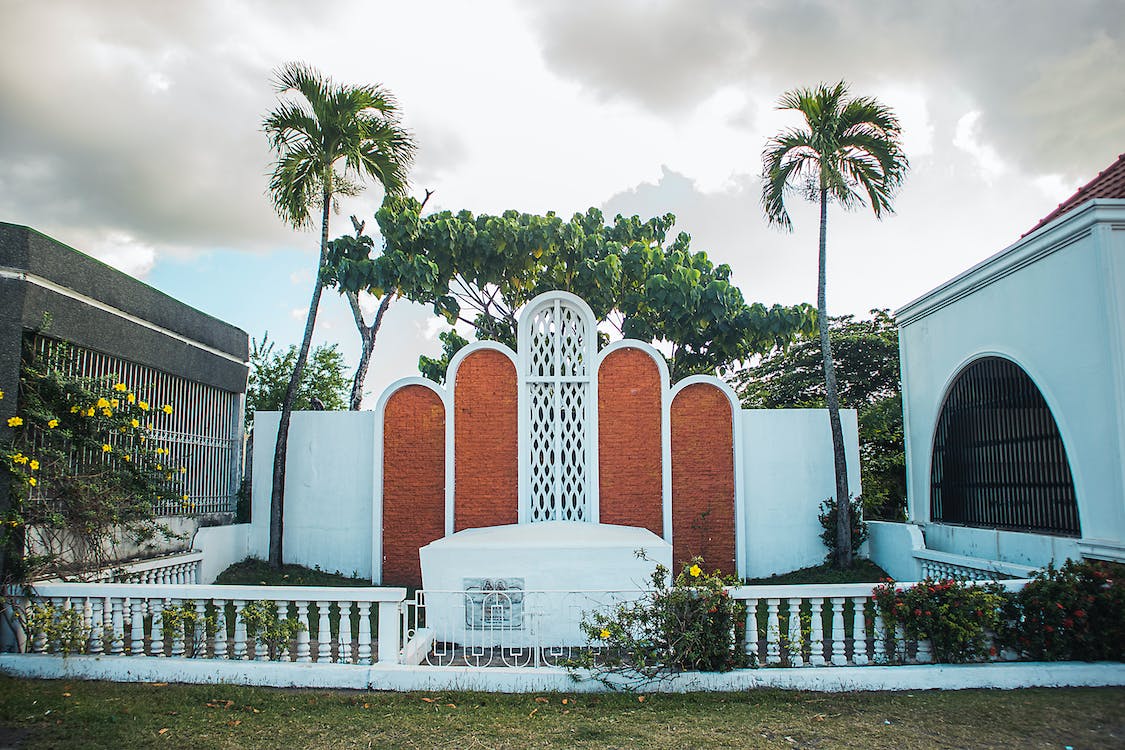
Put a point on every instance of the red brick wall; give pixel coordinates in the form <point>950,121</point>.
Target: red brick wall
<point>703,477</point>
<point>486,441</point>
<point>413,481</point>
<point>629,457</point>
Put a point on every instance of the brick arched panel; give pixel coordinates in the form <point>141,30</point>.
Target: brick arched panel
<point>413,480</point>
<point>629,440</point>
<point>486,441</point>
<point>703,515</point>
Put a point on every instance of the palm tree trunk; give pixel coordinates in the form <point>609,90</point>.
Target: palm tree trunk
<point>843,557</point>
<point>367,334</point>
<point>277,496</point>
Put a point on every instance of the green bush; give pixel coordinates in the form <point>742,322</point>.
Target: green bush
<point>266,625</point>
<point>957,617</point>
<point>827,516</point>
<point>1076,612</point>
<point>689,624</point>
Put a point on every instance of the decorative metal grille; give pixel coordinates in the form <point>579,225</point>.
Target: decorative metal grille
<point>203,433</point>
<point>558,382</point>
<point>999,461</point>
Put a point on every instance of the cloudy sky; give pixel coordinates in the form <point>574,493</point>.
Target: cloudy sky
<point>132,131</point>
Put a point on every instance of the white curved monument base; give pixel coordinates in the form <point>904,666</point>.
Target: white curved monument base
<point>529,584</point>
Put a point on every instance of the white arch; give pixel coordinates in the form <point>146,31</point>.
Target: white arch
<point>451,417</point>
<point>1049,397</point>
<point>665,423</point>
<point>524,359</point>
<point>377,500</point>
<point>736,441</point>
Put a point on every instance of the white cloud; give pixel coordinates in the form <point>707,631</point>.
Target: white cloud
<point>967,138</point>
<point>124,253</point>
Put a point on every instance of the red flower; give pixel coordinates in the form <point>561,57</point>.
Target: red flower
<point>1049,629</point>
<point>1068,623</point>
<point>917,613</point>
<point>1079,613</point>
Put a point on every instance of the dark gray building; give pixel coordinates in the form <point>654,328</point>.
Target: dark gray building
<point>109,323</point>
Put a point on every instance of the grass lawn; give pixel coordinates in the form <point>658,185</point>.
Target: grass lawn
<point>47,713</point>
<point>861,571</point>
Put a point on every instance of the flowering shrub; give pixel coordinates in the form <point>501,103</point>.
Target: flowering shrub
<point>84,469</point>
<point>955,616</point>
<point>690,624</point>
<point>1073,612</point>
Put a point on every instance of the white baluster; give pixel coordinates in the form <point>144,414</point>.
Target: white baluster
<point>283,647</point>
<point>752,630</point>
<point>178,632</point>
<point>200,628</point>
<point>816,644</point>
<point>859,630</point>
<point>303,633</point>
<point>773,633</point>
<point>345,639</point>
<point>879,652</point>
<point>239,630</point>
<point>137,627</point>
<point>899,641</point>
<point>839,658</point>
<point>219,647</point>
<point>796,639</point>
<point>157,635</point>
<point>97,624</point>
<point>323,633</point>
<point>39,637</point>
<point>117,628</point>
<point>364,652</point>
<point>924,654</point>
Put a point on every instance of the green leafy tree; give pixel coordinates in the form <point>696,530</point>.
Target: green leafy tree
<point>480,270</point>
<point>327,139</point>
<point>323,383</point>
<point>849,152</point>
<point>865,354</point>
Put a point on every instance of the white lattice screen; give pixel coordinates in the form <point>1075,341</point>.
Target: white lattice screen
<point>559,367</point>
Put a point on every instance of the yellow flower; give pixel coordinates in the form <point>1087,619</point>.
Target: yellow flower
<point>604,634</point>
<point>19,458</point>
<point>159,467</point>
<point>143,405</point>
<point>32,481</point>
<point>34,465</point>
<point>183,470</point>
<point>131,398</point>
<point>120,387</point>
<point>142,438</point>
<point>127,458</point>
<point>74,410</point>
<point>168,476</point>
<point>694,571</point>
<point>107,412</point>
<point>114,403</point>
<point>53,423</point>
<point>102,403</point>
<point>14,421</point>
<point>90,412</point>
<point>167,408</point>
<point>106,447</point>
<point>185,499</point>
<point>160,451</point>
<point>134,423</point>
<point>1,395</point>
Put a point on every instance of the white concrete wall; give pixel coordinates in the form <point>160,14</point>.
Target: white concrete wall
<point>1054,303</point>
<point>789,472</point>
<point>330,484</point>
<point>329,487</point>
<point>891,546</point>
<point>222,546</point>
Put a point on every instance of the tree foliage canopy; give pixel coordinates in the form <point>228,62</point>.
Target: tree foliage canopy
<point>323,378</point>
<point>480,270</point>
<point>867,371</point>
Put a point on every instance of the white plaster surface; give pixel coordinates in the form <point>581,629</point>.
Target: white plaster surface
<point>329,486</point>
<point>222,546</point>
<point>543,679</point>
<point>554,556</point>
<point>1054,303</point>
<point>891,546</point>
<point>788,473</point>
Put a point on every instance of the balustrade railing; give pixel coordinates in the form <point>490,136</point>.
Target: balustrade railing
<point>941,565</point>
<point>294,623</point>
<point>825,625</point>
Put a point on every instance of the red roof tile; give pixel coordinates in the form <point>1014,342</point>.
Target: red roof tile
<point>1110,183</point>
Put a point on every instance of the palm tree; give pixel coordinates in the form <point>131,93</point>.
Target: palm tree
<point>353,127</point>
<point>850,152</point>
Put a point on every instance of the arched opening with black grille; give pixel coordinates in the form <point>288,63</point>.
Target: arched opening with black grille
<point>999,461</point>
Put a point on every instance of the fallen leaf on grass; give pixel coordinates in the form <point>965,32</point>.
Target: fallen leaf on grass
<point>428,700</point>
<point>163,731</point>
<point>451,705</point>
<point>542,700</point>
<point>158,684</point>
<point>640,699</point>
<point>819,717</point>
<point>66,695</point>
<point>565,701</point>
<point>533,712</point>
<point>234,723</point>
<point>367,705</point>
